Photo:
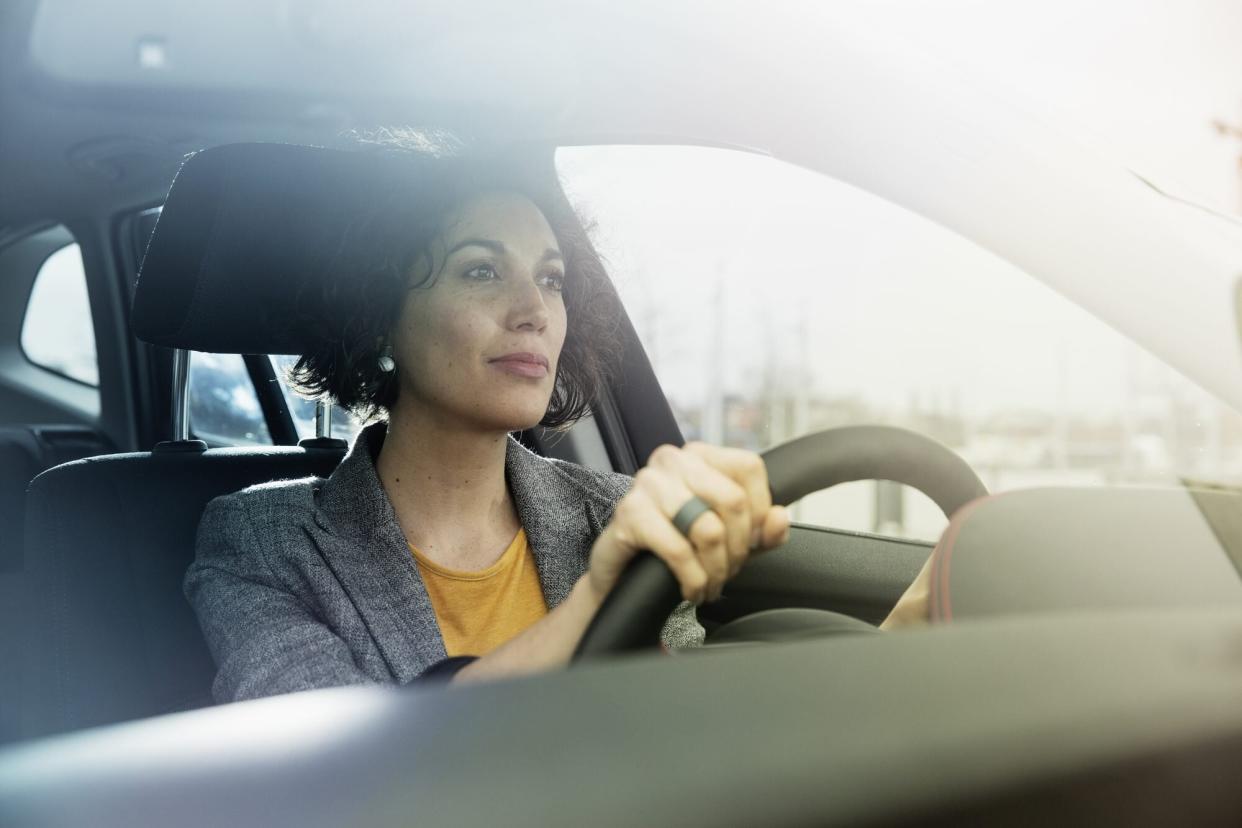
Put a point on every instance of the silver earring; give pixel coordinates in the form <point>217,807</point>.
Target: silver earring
<point>386,362</point>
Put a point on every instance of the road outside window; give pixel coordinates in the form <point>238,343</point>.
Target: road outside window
<point>58,333</point>
<point>774,301</point>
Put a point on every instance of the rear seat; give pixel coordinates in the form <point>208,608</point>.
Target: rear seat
<point>25,451</point>
<point>104,633</point>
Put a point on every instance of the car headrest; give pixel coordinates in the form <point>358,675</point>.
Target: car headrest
<point>242,225</point>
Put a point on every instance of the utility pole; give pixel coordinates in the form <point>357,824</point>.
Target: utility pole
<point>713,409</point>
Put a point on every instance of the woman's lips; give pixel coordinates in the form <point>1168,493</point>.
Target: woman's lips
<point>522,366</point>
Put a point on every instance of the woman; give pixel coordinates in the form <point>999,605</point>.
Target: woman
<point>468,305</point>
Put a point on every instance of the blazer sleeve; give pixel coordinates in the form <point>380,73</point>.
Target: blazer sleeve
<point>264,639</point>
<point>682,630</point>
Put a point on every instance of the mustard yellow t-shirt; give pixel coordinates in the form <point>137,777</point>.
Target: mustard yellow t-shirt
<point>479,611</point>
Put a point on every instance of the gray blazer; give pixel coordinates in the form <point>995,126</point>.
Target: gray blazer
<point>309,583</point>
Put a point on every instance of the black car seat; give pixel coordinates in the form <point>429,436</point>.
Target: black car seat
<point>109,539</point>
<point>107,634</point>
<point>25,451</point>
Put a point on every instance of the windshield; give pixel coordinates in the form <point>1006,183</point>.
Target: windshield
<point>774,301</point>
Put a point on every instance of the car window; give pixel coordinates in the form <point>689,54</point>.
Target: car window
<point>344,425</point>
<point>774,301</point>
<point>58,333</point>
<point>224,408</point>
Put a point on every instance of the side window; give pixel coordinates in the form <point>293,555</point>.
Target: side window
<point>774,301</point>
<point>58,333</point>
<point>224,408</point>
<point>344,424</point>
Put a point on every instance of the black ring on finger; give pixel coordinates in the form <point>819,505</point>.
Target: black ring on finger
<point>691,511</point>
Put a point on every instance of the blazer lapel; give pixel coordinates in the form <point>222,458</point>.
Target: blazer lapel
<point>562,518</point>
<point>357,533</point>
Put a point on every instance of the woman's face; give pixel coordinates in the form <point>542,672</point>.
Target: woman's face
<point>479,346</point>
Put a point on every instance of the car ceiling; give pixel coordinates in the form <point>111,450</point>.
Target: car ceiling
<point>88,128</point>
<point>84,131</point>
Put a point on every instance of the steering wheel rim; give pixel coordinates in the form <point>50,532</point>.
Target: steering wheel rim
<point>634,612</point>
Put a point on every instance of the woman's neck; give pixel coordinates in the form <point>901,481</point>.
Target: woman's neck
<point>447,486</point>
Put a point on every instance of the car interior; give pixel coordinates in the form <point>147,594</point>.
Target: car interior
<point>118,641</point>
<point>192,208</point>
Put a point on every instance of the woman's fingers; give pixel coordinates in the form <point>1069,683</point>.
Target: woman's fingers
<point>770,523</point>
<point>729,503</point>
<point>708,534</point>
<point>708,537</point>
<point>646,526</point>
<point>747,470</point>
<point>740,518</point>
<point>774,531</point>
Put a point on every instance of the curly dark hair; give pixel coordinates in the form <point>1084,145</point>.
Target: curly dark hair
<point>354,306</point>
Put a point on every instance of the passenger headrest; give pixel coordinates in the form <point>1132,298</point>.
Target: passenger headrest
<point>1059,550</point>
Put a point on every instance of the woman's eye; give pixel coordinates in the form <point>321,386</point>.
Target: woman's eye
<point>482,272</point>
<point>556,281</point>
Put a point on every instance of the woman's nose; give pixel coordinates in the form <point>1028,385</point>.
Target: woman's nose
<point>528,309</point>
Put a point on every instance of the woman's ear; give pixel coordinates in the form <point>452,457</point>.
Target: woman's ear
<point>386,362</point>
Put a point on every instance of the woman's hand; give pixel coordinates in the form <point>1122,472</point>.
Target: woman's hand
<point>742,519</point>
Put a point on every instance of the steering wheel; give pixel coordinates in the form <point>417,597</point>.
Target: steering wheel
<point>633,614</point>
